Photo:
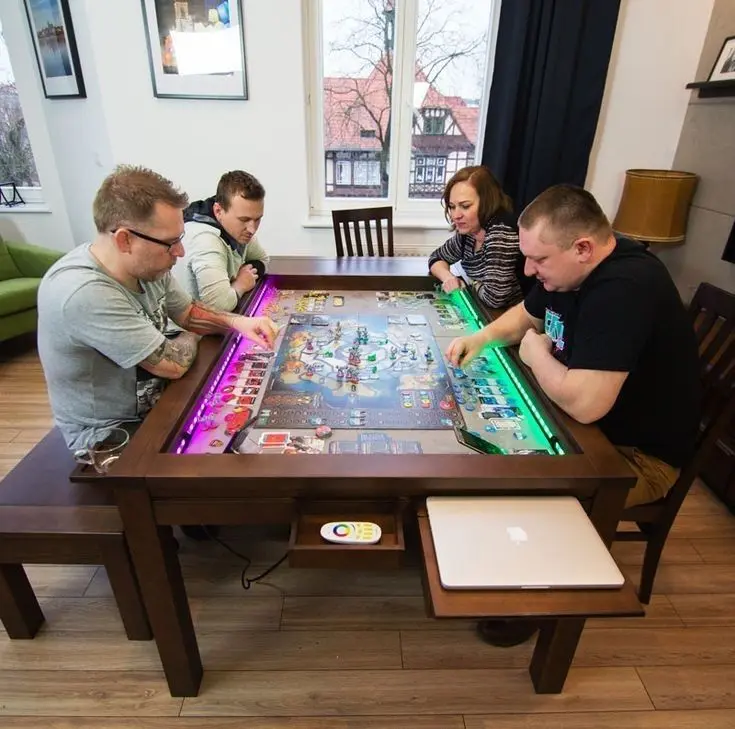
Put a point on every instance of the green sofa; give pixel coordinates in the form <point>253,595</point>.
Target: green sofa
<point>21,268</point>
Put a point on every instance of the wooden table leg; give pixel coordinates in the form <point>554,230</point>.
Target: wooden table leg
<point>554,652</point>
<point>125,588</point>
<point>158,571</point>
<point>20,612</point>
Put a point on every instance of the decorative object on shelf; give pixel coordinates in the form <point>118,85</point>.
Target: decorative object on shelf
<point>56,49</point>
<point>196,48</point>
<point>724,68</point>
<point>654,207</point>
<point>10,202</point>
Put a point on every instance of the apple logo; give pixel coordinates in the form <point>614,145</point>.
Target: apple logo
<point>517,534</point>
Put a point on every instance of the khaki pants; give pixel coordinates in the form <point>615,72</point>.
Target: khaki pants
<point>655,477</point>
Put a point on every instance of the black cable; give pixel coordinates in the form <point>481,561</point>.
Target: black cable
<point>246,582</point>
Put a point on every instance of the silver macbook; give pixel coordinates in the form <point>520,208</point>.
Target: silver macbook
<point>518,542</point>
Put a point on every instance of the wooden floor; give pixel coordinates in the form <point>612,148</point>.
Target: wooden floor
<point>322,650</point>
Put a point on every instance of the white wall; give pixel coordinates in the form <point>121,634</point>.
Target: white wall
<point>194,141</point>
<point>655,54</point>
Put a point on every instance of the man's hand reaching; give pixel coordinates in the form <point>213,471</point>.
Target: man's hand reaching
<point>259,329</point>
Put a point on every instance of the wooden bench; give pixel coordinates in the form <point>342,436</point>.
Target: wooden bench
<point>47,519</point>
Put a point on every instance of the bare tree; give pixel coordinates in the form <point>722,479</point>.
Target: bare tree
<point>364,98</point>
<point>16,158</point>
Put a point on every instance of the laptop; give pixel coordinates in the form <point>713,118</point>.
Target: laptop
<point>517,542</point>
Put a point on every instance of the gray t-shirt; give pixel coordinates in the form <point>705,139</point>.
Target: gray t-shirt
<point>92,333</point>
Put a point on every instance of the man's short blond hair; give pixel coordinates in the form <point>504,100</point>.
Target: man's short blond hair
<point>567,212</point>
<point>128,197</point>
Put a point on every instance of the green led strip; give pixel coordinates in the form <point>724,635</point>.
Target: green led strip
<point>463,302</point>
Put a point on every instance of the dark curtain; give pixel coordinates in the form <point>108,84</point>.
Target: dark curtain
<point>550,68</point>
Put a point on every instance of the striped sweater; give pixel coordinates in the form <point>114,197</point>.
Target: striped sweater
<point>493,269</point>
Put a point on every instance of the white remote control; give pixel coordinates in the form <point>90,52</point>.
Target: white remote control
<point>351,532</point>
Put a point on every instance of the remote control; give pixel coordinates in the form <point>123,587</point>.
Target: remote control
<point>351,532</point>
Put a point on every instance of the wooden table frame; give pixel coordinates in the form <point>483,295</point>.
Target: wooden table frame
<point>155,490</point>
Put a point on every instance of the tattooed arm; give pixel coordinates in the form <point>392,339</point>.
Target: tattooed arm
<point>173,358</point>
<point>201,319</point>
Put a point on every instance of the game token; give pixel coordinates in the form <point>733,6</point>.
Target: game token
<point>216,443</point>
<point>323,431</point>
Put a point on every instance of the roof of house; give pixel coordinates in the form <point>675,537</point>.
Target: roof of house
<point>355,104</point>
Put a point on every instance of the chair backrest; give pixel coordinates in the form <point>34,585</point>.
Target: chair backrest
<point>363,224</point>
<point>712,312</point>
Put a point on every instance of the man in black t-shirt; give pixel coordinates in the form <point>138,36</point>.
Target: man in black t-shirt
<point>605,334</point>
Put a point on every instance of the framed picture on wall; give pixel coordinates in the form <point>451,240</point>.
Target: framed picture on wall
<point>56,48</point>
<point>196,48</point>
<point>724,68</point>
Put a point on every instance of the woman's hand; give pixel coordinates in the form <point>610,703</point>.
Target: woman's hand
<point>452,284</point>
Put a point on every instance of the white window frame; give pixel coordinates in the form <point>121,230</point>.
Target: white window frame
<point>413,213</point>
<point>32,196</point>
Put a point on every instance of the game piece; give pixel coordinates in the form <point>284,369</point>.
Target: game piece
<point>274,438</point>
<point>352,532</point>
<point>338,301</point>
<point>323,431</point>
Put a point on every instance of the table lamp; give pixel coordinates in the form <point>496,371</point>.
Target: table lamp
<point>654,207</point>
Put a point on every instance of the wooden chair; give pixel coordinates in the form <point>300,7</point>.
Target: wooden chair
<point>342,220</point>
<point>713,316</point>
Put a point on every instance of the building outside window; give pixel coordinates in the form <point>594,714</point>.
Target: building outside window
<point>397,96</point>
<point>16,157</point>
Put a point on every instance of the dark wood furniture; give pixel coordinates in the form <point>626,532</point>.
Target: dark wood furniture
<point>363,222</point>
<point>713,314</point>
<point>561,614</point>
<point>713,317</point>
<point>45,518</point>
<point>156,489</point>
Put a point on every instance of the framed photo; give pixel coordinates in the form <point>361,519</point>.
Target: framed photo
<point>724,68</point>
<point>196,48</point>
<point>56,48</point>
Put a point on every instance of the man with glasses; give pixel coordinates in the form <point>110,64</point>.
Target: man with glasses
<point>104,307</point>
<point>223,257</point>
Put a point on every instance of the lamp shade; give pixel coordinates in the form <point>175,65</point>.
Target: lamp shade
<point>655,205</point>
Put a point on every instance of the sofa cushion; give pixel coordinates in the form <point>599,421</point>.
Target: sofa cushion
<point>18,294</point>
<point>8,269</point>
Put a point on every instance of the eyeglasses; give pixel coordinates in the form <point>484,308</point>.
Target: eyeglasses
<point>167,243</point>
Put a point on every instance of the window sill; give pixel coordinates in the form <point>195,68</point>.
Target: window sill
<point>27,208</point>
<point>399,223</point>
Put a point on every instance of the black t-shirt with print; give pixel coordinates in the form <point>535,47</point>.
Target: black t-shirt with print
<point>628,317</point>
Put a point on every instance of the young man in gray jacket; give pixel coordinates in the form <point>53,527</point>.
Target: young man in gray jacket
<point>223,259</point>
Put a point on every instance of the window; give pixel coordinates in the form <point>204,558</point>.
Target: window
<point>397,98</point>
<point>434,120</point>
<point>16,157</point>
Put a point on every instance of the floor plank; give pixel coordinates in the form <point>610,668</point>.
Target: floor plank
<point>702,609</point>
<point>685,578</point>
<point>85,693</point>
<point>712,719</point>
<point>601,647</point>
<point>676,551</point>
<point>322,722</point>
<point>690,687</point>
<point>410,693</point>
<point>363,613</point>
<point>716,551</point>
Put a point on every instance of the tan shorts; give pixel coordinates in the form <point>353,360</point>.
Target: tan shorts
<point>655,477</point>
